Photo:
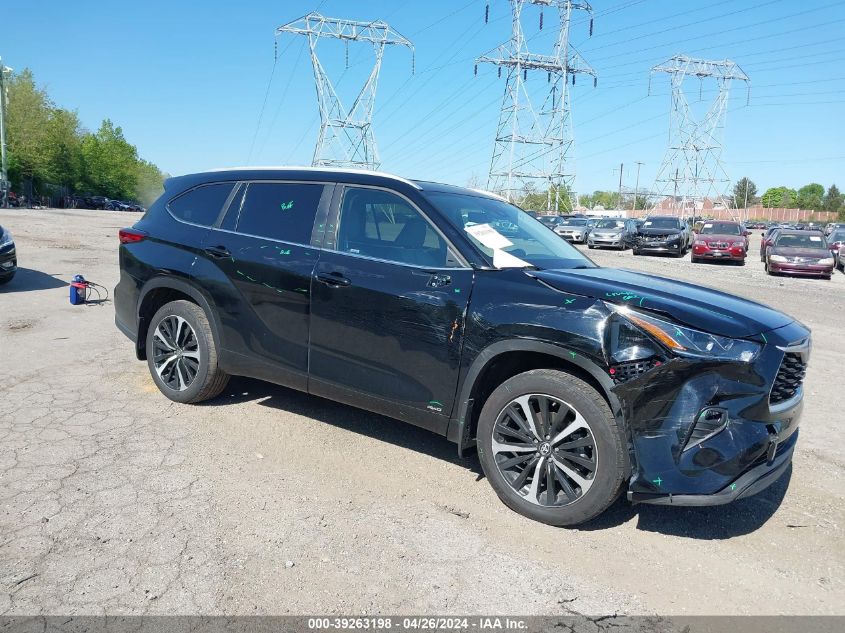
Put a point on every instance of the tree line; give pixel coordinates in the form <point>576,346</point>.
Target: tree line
<point>47,145</point>
<point>812,196</point>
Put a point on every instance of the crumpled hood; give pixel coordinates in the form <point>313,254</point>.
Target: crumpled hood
<point>698,307</point>
<point>658,232</point>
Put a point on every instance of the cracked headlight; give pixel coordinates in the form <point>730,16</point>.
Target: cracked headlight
<point>685,341</point>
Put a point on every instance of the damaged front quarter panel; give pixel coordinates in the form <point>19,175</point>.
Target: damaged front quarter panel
<point>697,426</point>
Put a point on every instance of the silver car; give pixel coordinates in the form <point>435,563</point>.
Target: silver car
<point>574,229</point>
<point>613,233</point>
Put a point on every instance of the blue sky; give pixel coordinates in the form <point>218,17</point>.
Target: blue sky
<point>187,80</point>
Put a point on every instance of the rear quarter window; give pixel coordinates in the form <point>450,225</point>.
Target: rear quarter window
<point>280,211</point>
<point>201,205</point>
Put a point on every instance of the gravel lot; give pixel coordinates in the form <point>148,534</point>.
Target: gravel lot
<point>267,501</point>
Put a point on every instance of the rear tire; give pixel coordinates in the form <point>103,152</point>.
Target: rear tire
<point>182,354</point>
<point>570,441</point>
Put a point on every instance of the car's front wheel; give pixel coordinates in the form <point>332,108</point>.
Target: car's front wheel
<point>182,355</point>
<point>550,447</point>
<point>4,279</point>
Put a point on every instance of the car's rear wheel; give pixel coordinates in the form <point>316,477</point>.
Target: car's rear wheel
<point>182,355</point>
<point>550,447</point>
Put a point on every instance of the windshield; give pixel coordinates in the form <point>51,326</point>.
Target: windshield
<point>792,240</point>
<point>662,223</point>
<point>610,224</point>
<point>526,243</point>
<point>836,236</point>
<point>576,222</point>
<point>720,228</point>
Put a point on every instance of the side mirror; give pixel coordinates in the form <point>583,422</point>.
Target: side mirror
<point>746,233</point>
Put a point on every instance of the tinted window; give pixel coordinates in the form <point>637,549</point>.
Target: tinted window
<point>792,240</point>
<point>201,205</point>
<point>610,224</point>
<point>662,223</point>
<point>280,211</point>
<point>385,226</point>
<point>720,228</point>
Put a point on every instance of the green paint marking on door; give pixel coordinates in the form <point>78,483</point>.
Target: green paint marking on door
<point>573,354</point>
<point>733,486</point>
<point>301,290</point>
<point>284,251</point>
<point>457,291</point>
<point>286,205</point>
<point>569,301</point>
<point>658,481</point>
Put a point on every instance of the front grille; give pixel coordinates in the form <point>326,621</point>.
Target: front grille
<point>623,372</point>
<point>718,244</point>
<point>789,379</point>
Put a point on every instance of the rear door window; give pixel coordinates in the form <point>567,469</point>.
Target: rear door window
<point>280,210</point>
<point>201,205</point>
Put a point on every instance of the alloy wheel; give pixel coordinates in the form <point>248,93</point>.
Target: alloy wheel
<point>176,355</point>
<point>545,450</point>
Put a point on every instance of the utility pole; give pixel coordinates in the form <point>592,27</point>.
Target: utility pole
<point>346,136</point>
<point>534,140</point>
<point>637,185</point>
<point>619,199</point>
<point>694,154</point>
<point>4,102</point>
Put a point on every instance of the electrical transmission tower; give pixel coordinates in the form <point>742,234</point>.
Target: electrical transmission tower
<point>5,72</point>
<point>346,136</point>
<point>692,168</point>
<point>534,141</point>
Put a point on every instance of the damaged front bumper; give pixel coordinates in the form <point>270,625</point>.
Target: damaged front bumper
<point>707,432</point>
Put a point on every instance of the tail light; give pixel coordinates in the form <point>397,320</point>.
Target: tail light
<point>128,236</point>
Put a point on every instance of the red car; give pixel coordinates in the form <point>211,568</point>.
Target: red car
<point>800,253</point>
<point>721,240</point>
<point>835,241</point>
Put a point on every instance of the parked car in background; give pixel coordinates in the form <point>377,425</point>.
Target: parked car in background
<point>799,253</point>
<point>832,226</point>
<point>533,214</point>
<point>840,258</point>
<point>768,239</point>
<point>663,234</point>
<point>835,241</point>
<point>573,382</point>
<point>550,221</point>
<point>720,240</point>
<point>8,256</point>
<point>574,229</point>
<point>612,233</point>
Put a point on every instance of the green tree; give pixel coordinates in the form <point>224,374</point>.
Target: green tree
<point>833,200</point>
<point>744,190</point>
<point>149,183</point>
<point>811,196</point>
<point>110,162</point>
<point>63,148</point>
<point>777,197</point>
<point>27,120</point>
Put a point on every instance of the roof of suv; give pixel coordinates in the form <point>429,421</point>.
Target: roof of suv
<point>358,176</point>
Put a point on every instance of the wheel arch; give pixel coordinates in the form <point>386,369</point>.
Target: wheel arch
<point>161,290</point>
<point>503,359</point>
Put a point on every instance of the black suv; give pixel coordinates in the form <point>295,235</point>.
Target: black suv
<point>402,298</point>
<point>663,234</point>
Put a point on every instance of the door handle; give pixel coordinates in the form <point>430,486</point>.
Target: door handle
<point>218,252</point>
<point>333,279</point>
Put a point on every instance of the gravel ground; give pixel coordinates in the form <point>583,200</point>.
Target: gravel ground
<point>268,501</point>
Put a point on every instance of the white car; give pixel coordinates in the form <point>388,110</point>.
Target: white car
<point>574,229</point>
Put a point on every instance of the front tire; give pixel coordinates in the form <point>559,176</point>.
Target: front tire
<point>7,278</point>
<point>550,447</point>
<point>182,355</point>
